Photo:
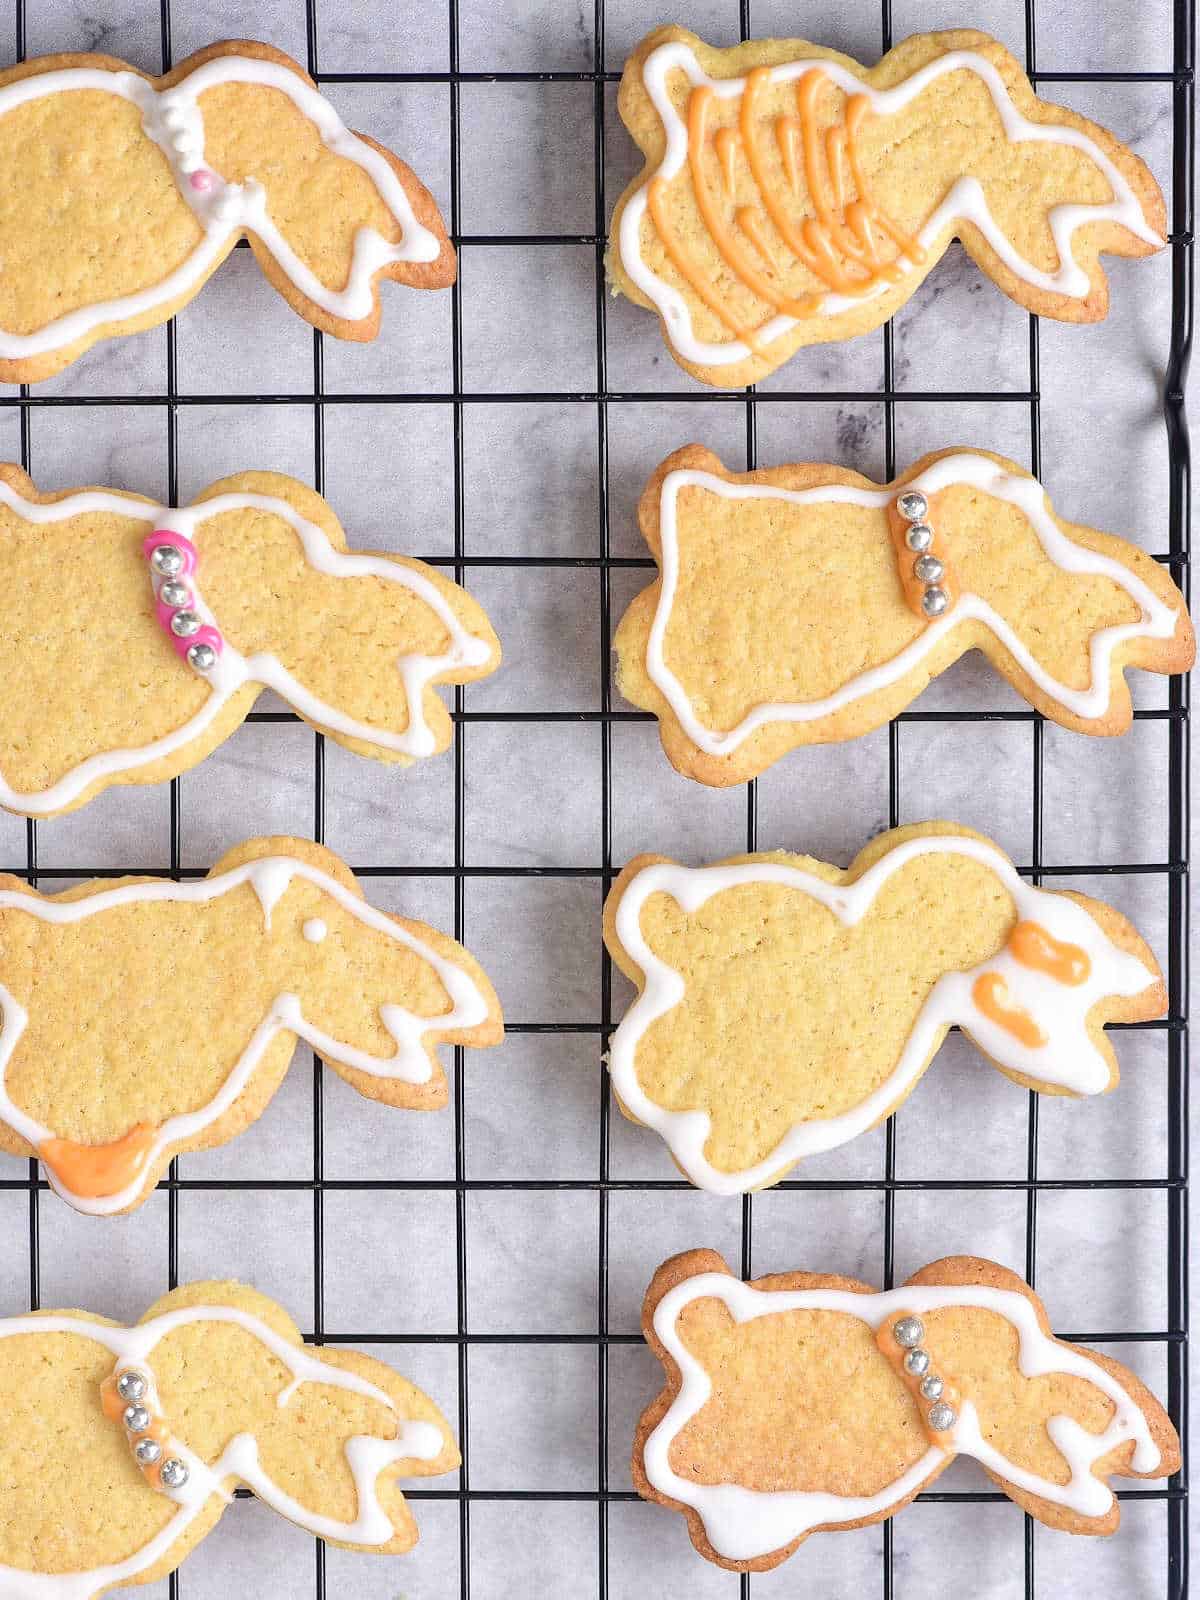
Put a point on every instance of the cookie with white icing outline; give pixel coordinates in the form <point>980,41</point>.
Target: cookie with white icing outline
<point>791,196</point>
<point>143,1017</point>
<point>125,192</point>
<point>124,1445</point>
<point>144,634</point>
<point>785,1006</point>
<point>805,604</point>
<point>805,1402</point>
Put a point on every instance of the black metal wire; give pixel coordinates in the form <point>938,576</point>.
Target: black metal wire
<point>1173,871</point>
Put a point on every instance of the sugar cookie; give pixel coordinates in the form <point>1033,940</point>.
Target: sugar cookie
<point>123,193</point>
<point>805,604</point>
<point>143,1017</point>
<point>123,1445</point>
<point>805,1402</point>
<point>791,197</point>
<point>785,1006</point>
<point>145,634</point>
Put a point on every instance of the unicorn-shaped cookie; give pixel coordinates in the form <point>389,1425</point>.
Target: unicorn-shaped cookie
<point>142,1017</point>
<point>806,1403</point>
<point>786,1006</point>
<point>127,192</point>
<point>123,1445</point>
<point>144,634</point>
<point>791,197</point>
<point>805,604</point>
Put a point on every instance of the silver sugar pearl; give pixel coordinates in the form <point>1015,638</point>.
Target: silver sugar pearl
<point>185,623</point>
<point>913,505</point>
<point>933,602</point>
<point>136,1418</point>
<point>932,1388</point>
<point>928,568</point>
<point>202,656</point>
<point>916,1363</point>
<point>131,1386</point>
<point>146,1452</point>
<point>908,1332</point>
<point>167,560</point>
<point>941,1417</point>
<point>173,1473</point>
<point>919,537</point>
<point>174,593</point>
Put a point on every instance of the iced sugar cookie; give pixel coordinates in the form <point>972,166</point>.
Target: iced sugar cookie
<point>806,1403</point>
<point>145,633</point>
<point>122,193</point>
<point>804,604</point>
<point>785,1006</point>
<point>143,1017</point>
<point>791,196</point>
<point>123,1445</point>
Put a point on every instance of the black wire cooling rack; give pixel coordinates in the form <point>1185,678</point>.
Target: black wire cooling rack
<point>1171,874</point>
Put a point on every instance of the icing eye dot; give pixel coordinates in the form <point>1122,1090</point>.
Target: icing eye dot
<point>201,181</point>
<point>314,930</point>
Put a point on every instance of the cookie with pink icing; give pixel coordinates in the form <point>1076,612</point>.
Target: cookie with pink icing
<point>141,1018</point>
<point>132,191</point>
<point>791,196</point>
<point>123,1446</point>
<point>785,1006</point>
<point>805,1403</point>
<point>805,604</point>
<point>145,633</point>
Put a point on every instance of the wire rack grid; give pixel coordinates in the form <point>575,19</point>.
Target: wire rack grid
<point>1171,873</point>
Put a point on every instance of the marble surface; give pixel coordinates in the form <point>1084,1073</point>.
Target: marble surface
<point>530,486</point>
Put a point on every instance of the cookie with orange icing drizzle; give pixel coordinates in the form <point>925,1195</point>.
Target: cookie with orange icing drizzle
<point>804,604</point>
<point>124,1445</point>
<point>142,1018</point>
<point>806,1403</point>
<point>785,1007</point>
<point>791,197</point>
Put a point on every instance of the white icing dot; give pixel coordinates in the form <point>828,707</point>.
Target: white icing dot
<point>314,930</point>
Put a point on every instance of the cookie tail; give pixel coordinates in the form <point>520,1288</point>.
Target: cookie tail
<point>380,635</point>
<point>328,211</point>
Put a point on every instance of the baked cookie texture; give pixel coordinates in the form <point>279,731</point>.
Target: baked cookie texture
<point>791,196</point>
<point>785,1006</point>
<point>143,1017</point>
<point>124,1445</point>
<point>801,604</point>
<point>805,1402</point>
<point>121,193</point>
<point>145,634</point>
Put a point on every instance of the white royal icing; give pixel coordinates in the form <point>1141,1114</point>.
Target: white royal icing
<point>233,670</point>
<point>1157,621</point>
<point>366,1455</point>
<point>965,201</point>
<point>743,1523</point>
<point>268,876</point>
<point>172,118</point>
<point>1069,1059</point>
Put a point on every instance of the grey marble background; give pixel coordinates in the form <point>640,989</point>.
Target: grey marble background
<point>533,798</point>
